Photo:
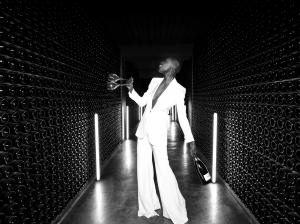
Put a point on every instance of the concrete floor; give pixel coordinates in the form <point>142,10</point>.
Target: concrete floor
<point>113,200</point>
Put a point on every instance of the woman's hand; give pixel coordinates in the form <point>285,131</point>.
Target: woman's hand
<point>129,84</point>
<point>192,147</point>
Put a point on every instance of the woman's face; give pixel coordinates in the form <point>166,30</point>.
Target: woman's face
<point>165,66</point>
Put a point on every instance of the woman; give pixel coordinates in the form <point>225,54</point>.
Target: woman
<point>162,94</point>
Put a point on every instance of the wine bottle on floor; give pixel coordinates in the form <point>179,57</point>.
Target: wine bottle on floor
<point>202,170</point>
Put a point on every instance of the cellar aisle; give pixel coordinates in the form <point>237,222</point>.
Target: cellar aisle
<point>113,200</point>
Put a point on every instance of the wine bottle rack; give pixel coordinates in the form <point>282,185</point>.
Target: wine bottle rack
<point>247,73</point>
<point>53,66</point>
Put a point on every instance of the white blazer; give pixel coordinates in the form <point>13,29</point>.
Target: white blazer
<point>154,122</point>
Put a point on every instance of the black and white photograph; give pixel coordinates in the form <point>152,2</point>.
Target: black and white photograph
<point>160,112</point>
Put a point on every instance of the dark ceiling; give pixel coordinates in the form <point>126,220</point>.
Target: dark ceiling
<point>155,29</point>
<point>147,31</point>
<point>151,23</point>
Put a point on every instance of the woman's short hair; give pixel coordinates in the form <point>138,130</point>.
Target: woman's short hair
<point>176,64</point>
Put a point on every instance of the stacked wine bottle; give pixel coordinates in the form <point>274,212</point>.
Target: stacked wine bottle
<point>247,73</point>
<point>50,88</point>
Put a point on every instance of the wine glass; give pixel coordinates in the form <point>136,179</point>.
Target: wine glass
<point>113,79</point>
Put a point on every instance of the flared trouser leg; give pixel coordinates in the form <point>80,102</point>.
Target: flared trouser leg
<point>147,198</point>
<point>173,203</point>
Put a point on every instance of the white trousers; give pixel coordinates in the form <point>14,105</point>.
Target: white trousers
<point>173,203</point>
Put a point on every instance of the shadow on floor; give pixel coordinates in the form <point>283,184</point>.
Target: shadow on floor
<point>113,200</point>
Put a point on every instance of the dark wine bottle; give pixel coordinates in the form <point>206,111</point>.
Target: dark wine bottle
<point>202,170</point>
<point>4,131</point>
<point>4,104</point>
<point>14,103</point>
<point>4,117</point>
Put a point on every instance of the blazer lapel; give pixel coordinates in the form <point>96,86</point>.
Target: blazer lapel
<point>168,90</point>
<point>153,92</point>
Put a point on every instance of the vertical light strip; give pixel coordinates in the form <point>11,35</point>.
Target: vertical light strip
<point>190,112</point>
<point>127,122</point>
<point>97,147</point>
<point>214,159</point>
<point>123,98</point>
<point>123,122</point>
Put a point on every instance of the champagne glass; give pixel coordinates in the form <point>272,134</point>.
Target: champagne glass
<point>112,82</point>
<point>112,77</point>
<point>112,86</point>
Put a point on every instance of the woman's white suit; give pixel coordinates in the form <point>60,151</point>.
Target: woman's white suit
<point>152,136</point>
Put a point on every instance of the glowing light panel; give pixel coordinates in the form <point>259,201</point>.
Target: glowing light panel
<point>127,122</point>
<point>214,159</point>
<point>97,147</point>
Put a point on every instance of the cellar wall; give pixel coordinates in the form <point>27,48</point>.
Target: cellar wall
<point>53,66</point>
<point>246,72</point>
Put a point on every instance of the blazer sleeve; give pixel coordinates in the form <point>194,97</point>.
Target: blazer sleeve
<point>182,118</point>
<point>141,101</point>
